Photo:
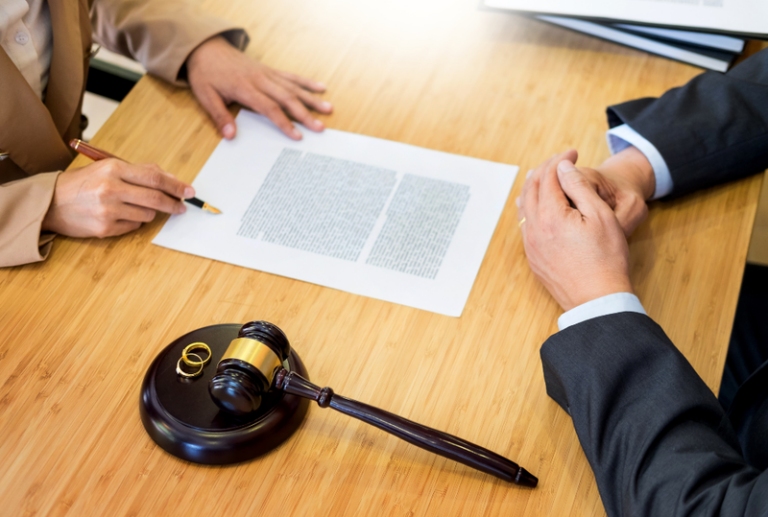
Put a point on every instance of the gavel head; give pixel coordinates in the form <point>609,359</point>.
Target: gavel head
<point>248,367</point>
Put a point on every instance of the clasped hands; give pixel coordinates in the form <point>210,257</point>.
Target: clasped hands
<point>577,221</point>
<point>111,197</point>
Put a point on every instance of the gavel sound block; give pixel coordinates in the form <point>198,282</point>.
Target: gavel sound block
<point>261,388</point>
<point>182,418</point>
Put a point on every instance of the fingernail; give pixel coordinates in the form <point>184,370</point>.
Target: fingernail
<point>318,125</point>
<point>320,86</point>
<point>325,106</point>
<point>517,202</point>
<point>529,174</point>
<point>183,208</point>
<point>565,166</point>
<point>295,133</point>
<point>189,192</point>
<point>228,131</point>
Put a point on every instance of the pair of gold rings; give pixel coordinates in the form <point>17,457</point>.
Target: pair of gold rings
<point>192,358</point>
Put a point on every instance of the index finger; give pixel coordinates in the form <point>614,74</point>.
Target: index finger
<point>155,178</point>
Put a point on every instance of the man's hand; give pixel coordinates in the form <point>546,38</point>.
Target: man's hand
<point>625,181</point>
<point>219,75</point>
<point>578,252</point>
<point>111,197</point>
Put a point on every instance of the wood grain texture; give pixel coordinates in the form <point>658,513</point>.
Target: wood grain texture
<point>78,331</point>
<point>758,244</point>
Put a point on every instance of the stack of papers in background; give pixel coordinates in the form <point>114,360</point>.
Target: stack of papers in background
<point>709,34</point>
<point>708,51</point>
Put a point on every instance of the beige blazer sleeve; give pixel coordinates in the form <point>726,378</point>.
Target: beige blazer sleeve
<point>23,205</point>
<point>160,34</point>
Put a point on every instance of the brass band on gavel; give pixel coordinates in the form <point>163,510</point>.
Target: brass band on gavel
<point>255,354</point>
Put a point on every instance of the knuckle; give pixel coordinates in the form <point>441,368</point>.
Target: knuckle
<point>579,180</point>
<point>155,197</point>
<point>285,97</point>
<point>104,192</point>
<point>268,105</point>
<point>296,91</point>
<point>155,178</point>
<point>112,166</point>
<point>604,212</point>
<point>297,109</point>
<point>273,111</point>
<point>103,230</point>
<point>257,76</point>
<point>103,213</point>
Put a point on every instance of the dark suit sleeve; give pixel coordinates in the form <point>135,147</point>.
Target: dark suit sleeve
<point>656,437</point>
<point>712,130</point>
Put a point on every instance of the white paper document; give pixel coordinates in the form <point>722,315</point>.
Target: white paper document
<point>360,214</point>
<point>748,17</point>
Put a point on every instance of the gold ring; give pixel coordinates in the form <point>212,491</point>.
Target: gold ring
<point>196,346</point>
<point>521,222</point>
<point>189,375</point>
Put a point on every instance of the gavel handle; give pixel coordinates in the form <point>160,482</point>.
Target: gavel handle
<point>440,443</point>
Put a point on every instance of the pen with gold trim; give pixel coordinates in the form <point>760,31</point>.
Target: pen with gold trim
<point>96,154</point>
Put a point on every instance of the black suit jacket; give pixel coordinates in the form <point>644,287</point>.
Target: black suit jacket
<point>712,130</point>
<point>656,437</point>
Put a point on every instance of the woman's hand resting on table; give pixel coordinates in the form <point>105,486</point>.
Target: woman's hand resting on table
<point>219,74</point>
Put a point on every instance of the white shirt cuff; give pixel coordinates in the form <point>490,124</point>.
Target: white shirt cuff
<point>610,304</point>
<point>623,136</point>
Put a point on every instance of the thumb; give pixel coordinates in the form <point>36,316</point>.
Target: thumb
<point>578,188</point>
<point>211,102</point>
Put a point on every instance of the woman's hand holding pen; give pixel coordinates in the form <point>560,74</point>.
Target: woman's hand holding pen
<point>111,197</point>
<point>219,75</point>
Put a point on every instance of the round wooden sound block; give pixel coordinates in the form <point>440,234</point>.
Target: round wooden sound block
<point>180,416</point>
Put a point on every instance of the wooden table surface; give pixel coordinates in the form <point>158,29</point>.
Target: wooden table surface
<point>78,331</point>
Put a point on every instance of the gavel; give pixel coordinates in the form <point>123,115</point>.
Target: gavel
<point>253,366</point>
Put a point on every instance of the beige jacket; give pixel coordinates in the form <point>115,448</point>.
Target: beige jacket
<point>158,33</point>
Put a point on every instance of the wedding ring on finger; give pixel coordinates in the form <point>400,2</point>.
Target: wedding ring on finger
<point>520,224</point>
<point>196,347</point>
<point>195,373</point>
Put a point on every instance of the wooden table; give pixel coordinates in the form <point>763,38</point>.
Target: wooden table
<point>78,331</point>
